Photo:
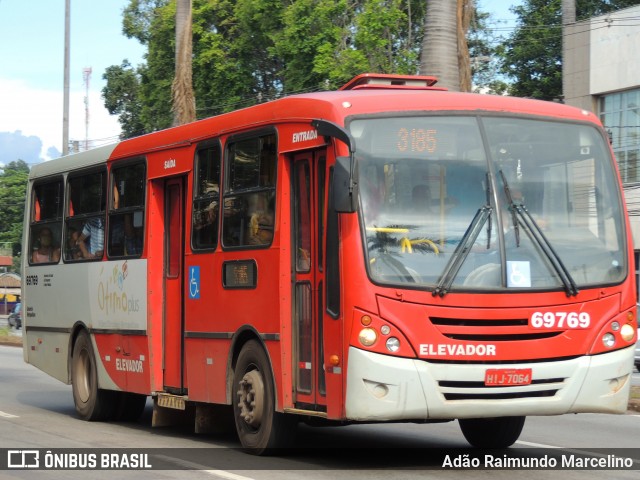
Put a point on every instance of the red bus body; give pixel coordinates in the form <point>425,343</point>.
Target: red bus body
<point>464,353</point>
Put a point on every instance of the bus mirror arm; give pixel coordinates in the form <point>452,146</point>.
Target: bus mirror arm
<point>345,185</point>
<point>345,188</point>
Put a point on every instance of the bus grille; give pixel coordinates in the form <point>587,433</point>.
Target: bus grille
<point>494,330</point>
<point>453,390</point>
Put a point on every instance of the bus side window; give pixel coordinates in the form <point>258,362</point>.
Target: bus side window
<point>45,229</point>
<point>249,196</point>
<point>206,197</point>
<point>126,210</point>
<point>85,220</point>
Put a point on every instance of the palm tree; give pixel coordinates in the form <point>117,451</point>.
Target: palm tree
<point>184,109</point>
<point>444,46</point>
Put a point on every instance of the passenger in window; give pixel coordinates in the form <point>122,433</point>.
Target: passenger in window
<point>126,229</point>
<point>211,212</point>
<point>46,251</point>
<point>73,251</point>
<point>205,221</point>
<point>132,241</point>
<point>261,222</point>
<point>94,231</point>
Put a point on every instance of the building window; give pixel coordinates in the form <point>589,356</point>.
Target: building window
<point>620,115</point>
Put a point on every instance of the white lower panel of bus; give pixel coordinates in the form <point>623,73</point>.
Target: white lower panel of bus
<point>381,388</point>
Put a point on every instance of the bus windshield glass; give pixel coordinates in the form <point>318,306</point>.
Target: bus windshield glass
<point>462,203</point>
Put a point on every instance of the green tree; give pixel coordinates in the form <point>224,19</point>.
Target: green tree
<point>122,97</point>
<point>248,51</point>
<point>532,54</point>
<point>483,56</point>
<point>13,189</point>
<point>325,43</point>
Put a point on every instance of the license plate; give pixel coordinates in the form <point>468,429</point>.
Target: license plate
<point>507,376</point>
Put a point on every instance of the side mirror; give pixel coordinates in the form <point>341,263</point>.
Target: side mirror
<point>345,183</point>
<point>345,186</point>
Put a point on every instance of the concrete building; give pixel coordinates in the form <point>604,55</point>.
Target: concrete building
<point>601,73</point>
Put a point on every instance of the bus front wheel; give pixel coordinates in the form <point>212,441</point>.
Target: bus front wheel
<point>92,403</point>
<point>260,428</point>
<point>499,432</point>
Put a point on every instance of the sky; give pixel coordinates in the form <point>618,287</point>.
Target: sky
<point>32,72</point>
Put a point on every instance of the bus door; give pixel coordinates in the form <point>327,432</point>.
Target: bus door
<point>173,331</point>
<point>308,277</point>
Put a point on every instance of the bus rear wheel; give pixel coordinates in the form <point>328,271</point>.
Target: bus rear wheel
<point>499,432</point>
<point>92,403</point>
<point>260,428</point>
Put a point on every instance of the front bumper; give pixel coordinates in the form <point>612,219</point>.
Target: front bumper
<point>386,388</point>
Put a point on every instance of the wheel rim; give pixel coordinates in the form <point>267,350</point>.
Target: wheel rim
<point>82,377</point>
<point>251,398</point>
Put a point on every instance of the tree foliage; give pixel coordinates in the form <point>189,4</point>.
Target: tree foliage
<point>484,50</point>
<point>13,188</point>
<point>532,55</point>
<point>122,97</point>
<point>249,51</point>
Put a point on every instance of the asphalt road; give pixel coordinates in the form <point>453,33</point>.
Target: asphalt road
<point>36,412</point>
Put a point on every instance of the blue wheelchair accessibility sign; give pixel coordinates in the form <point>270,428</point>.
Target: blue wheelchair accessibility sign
<point>194,283</point>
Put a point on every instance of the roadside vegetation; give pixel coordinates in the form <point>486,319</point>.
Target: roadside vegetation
<point>7,338</point>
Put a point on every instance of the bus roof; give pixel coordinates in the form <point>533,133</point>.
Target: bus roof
<point>89,158</point>
<point>335,106</point>
<point>365,94</point>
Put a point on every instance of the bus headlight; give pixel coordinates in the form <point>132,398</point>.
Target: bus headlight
<point>393,344</point>
<point>608,340</point>
<point>627,332</point>
<point>367,336</point>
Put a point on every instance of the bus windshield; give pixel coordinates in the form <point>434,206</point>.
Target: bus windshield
<point>458,203</point>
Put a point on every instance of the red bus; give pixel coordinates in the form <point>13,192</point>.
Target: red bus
<point>388,252</point>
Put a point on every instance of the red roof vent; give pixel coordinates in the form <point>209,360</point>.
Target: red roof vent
<point>390,81</point>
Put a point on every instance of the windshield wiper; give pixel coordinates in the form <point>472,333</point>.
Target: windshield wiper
<point>461,252</point>
<point>521,215</point>
<point>512,208</point>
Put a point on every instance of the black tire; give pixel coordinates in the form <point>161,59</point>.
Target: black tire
<point>92,403</point>
<point>499,432</point>
<point>260,428</point>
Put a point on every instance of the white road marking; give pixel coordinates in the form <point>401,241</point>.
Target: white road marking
<point>536,445</point>
<point>8,415</point>
<point>196,466</point>
<point>570,450</point>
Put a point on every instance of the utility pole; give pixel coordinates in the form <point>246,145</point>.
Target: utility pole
<point>568,27</point>
<point>86,76</point>
<point>65,107</point>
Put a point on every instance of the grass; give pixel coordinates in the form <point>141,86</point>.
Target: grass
<point>7,339</point>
